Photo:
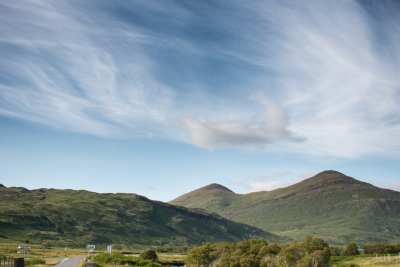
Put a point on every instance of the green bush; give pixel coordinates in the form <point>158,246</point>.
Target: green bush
<point>34,261</point>
<point>149,254</point>
<point>382,248</point>
<point>117,258</point>
<point>351,249</point>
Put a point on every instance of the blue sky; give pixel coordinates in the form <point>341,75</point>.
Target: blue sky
<point>161,97</point>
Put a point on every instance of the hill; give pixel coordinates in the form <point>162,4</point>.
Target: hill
<point>330,205</point>
<point>81,217</point>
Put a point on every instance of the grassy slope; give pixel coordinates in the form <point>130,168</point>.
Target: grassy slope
<point>70,216</point>
<point>330,205</point>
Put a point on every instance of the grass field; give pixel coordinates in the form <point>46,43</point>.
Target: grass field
<point>10,250</point>
<point>365,260</point>
<point>51,256</point>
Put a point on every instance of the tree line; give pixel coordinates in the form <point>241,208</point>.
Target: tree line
<point>259,253</point>
<point>312,252</point>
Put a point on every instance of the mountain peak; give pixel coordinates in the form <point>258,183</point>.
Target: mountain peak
<point>215,186</point>
<point>330,177</point>
<point>2,186</point>
<point>207,192</point>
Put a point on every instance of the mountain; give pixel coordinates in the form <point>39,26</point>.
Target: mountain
<point>330,205</point>
<point>81,217</point>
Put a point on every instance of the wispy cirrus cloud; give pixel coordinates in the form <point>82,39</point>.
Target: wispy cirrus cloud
<point>58,73</point>
<point>324,73</point>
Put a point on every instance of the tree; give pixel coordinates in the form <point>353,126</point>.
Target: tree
<point>201,255</point>
<point>149,254</point>
<point>351,249</point>
<point>249,260</point>
<point>292,253</point>
<point>313,243</point>
<point>335,251</point>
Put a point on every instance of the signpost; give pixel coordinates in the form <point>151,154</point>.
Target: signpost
<point>109,249</point>
<point>23,249</point>
<point>90,248</point>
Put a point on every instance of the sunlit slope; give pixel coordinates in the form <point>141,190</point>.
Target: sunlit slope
<point>330,205</point>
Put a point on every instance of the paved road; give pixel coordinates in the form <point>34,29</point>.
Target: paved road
<point>70,262</point>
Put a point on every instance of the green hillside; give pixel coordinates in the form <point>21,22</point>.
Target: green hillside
<point>330,205</point>
<point>81,217</point>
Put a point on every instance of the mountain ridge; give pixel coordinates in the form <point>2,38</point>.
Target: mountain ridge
<point>329,204</point>
<point>79,217</point>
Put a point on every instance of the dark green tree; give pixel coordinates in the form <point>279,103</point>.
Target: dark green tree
<point>313,243</point>
<point>351,249</point>
<point>201,255</point>
<point>149,254</point>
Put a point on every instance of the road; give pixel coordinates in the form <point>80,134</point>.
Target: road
<point>70,262</point>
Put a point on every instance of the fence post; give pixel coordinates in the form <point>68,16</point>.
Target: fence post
<point>19,262</point>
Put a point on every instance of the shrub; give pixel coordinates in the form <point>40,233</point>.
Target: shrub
<point>149,254</point>
<point>351,249</point>
<point>382,248</point>
<point>34,261</point>
<point>117,258</point>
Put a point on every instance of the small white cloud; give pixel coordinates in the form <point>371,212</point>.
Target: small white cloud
<point>271,180</point>
<point>267,126</point>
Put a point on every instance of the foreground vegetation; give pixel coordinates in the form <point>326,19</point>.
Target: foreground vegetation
<point>312,252</point>
<point>147,258</point>
<point>259,253</point>
<point>365,261</point>
<point>39,251</point>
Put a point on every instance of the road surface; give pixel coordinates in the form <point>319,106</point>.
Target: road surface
<point>70,262</point>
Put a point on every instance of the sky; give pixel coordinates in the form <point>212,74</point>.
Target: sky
<point>161,97</point>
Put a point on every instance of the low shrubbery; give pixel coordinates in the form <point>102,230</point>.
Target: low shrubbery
<point>351,249</point>
<point>120,259</point>
<point>382,248</point>
<point>149,254</point>
<point>34,261</point>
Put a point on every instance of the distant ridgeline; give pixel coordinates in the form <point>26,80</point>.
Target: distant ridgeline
<point>80,217</point>
<point>330,205</point>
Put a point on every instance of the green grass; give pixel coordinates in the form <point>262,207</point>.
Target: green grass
<point>37,251</point>
<point>364,260</point>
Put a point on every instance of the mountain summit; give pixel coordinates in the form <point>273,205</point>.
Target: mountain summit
<point>215,186</point>
<point>331,178</point>
<point>216,193</point>
<point>330,204</point>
